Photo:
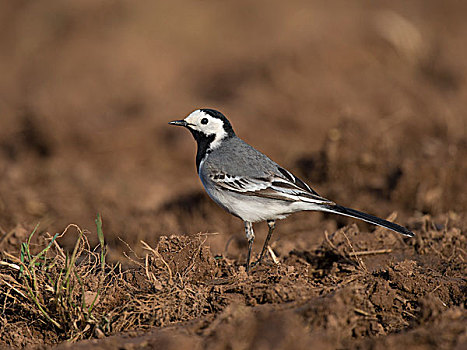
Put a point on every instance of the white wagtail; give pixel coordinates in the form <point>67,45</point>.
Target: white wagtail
<point>249,185</point>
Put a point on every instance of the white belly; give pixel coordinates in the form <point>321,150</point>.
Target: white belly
<point>253,208</point>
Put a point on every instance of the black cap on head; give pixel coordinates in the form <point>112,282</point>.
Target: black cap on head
<point>216,114</point>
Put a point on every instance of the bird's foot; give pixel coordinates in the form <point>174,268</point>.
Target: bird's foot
<point>253,265</point>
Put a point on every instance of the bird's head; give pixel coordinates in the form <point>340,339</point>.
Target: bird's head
<point>207,125</point>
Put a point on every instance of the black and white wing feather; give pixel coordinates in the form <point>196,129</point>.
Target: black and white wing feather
<point>281,185</point>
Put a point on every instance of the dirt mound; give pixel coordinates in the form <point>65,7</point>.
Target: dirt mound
<point>330,291</point>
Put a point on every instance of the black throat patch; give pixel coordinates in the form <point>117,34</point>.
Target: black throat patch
<point>204,142</point>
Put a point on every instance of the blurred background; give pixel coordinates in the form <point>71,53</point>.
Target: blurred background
<point>364,100</point>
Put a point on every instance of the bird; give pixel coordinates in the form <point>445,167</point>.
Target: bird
<point>251,186</point>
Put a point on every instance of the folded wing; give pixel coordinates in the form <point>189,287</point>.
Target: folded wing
<point>281,185</point>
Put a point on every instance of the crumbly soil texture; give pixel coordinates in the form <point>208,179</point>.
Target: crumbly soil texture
<point>107,238</point>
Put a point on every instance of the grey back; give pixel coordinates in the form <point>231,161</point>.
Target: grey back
<point>235,157</point>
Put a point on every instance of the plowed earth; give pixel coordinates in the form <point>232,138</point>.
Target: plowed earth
<point>366,104</point>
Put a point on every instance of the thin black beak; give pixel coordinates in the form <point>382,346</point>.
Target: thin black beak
<point>179,123</point>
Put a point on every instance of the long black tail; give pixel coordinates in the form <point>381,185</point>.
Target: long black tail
<point>337,209</point>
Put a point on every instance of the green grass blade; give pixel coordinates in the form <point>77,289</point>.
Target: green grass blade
<point>100,235</point>
<point>44,250</point>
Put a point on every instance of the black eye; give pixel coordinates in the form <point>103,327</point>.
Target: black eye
<point>204,121</point>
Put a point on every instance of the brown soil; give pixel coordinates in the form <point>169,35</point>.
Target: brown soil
<point>364,102</point>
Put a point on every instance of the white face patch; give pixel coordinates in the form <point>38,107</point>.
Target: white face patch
<point>208,125</point>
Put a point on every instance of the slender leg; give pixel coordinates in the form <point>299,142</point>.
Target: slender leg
<point>248,257</point>
<point>272,226</point>
<point>250,236</point>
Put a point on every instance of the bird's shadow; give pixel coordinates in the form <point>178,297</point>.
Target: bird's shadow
<point>324,259</point>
